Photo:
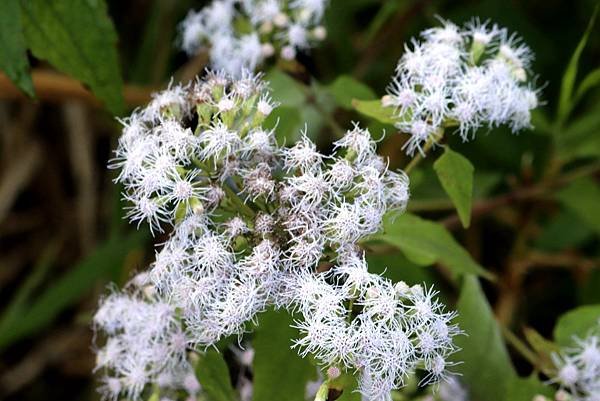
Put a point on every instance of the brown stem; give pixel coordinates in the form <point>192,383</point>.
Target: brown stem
<point>520,194</point>
<point>54,87</point>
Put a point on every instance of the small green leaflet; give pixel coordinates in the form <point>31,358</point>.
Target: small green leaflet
<point>577,322</point>
<point>566,101</point>
<point>213,375</point>
<point>374,109</point>
<point>455,173</point>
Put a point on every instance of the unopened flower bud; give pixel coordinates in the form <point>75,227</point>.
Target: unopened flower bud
<point>333,372</point>
<point>320,33</point>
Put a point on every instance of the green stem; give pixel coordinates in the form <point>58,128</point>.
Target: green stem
<point>518,345</point>
<point>235,198</point>
<point>419,157</point>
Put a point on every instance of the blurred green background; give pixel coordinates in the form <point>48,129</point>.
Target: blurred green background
<point>62,233</point>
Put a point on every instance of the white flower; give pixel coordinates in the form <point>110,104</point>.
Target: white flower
<point>236,226</point>
<point>218,142</point>
<point>270,27</point>
<point>253,224</point>
<point>211,254</point>
<point>578,368</point>
<point>359,142</point>
<point>265,105</point>
<point>303,155</point>
<point>471,77</point>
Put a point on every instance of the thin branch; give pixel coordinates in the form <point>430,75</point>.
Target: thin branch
<point>520,194</point>
<point>54,87</point>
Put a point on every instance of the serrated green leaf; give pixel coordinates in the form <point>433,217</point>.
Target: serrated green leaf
<point>582,197</point>
<point>279,372</point>
<point>525,389</point>
<point>425,242</point>
<point>577,322</point>
<point>78,38</point>
<point>565,103</point>
<point>455,173</point>
<point>102,263</point>
<point>213,375</point>
<point>13,51</point>
<point>345,88</point>
<point>485,363</point>
<point>374,109</point>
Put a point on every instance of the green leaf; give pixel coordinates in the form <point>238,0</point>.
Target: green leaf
<point>397,267</point>
<point>582,197</point>
<point>18,304</point>
<point>279,372</point>
<point>592,79</point>
<point>69,288</point>
<point>539,343</point>
<point>425,242</point>
<point>213,375</point>
<point>285,89</point>
<point>374,109</point>
<point>577,322</point>
<point>287,123</point>
<point>525,389</point>
<point>345,88</point>
<point>580,138</point>
<point>13,51</point>
<point>565,230</point>
<point>540,122</point>
<point>565,103</point>
<point>387,10</point>
<point>486,365</point>
<point>543,347</point>
<point>456,175</point>
<point>78,38</point>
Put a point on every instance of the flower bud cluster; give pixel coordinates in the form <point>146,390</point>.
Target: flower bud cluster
<point>472,77</point>
<point>253,224</point>
<point>578,368</point>
<point>241,34</point>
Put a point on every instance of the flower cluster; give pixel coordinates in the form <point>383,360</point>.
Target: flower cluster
<point>578,369</point>
<point>359,320</point>
<point>251,225</point>
<point>146,343</point>
<point>241,34</point>
<point>471,77</point>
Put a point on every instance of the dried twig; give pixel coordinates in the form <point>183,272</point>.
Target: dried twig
<point>81,150</point>
<point>53,87</point>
